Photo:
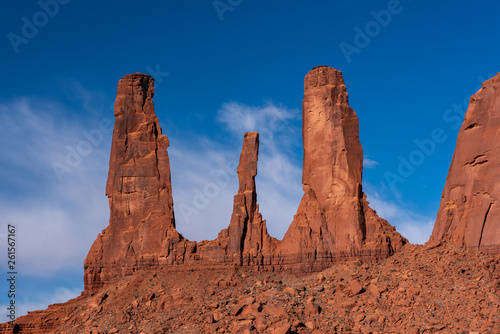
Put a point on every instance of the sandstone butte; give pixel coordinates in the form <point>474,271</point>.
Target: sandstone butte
<point>333,221</point>
<point>469,214</point>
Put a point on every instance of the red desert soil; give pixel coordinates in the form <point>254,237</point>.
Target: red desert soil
<point>422,289</point>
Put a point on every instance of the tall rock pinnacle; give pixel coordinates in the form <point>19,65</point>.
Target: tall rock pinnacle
<point>138,188</point>
<point>247,238</point>
<point>333,219</point>
<point>139,167</point>
<point>469,214</point>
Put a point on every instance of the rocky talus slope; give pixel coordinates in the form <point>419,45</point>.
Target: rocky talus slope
<point>445,289</point>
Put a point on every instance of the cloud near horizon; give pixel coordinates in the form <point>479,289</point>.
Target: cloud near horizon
<point>55,214</point>
<point>369,163</point>
<point>41,300</point>
<point>415,227</point>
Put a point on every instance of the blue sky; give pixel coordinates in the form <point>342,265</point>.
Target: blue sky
<point>223,68</point>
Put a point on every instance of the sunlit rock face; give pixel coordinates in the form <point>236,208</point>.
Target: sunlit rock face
<point>469,214</point>
<point>333,220</point>
<point>141,228</point>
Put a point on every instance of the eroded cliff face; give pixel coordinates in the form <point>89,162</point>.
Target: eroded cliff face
<point>469,213</point>
<point>141,231</point>
<point>333,221</point>
<point>332,167</point>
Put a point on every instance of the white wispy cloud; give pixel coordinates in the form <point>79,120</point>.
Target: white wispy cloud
<point>41,301</point>
<point>267,119</point>
<point>57,217</point>
<point>56,221</point>
<point>205,181</point>
<point>369,163</point>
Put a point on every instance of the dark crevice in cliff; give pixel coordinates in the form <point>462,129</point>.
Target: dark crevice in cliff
<point>484,223</point>
<point>478,160</point>
<point>471,126</point>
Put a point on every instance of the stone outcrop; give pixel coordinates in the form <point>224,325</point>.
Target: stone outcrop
<point>333,219</point>
<point>333,222</point>
<point>141,231</point>
<point>469,214</point>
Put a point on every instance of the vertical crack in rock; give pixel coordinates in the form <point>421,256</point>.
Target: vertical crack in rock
<point>482,227</point>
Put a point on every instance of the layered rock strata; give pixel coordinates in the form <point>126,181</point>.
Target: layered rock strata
<point>469,214</point>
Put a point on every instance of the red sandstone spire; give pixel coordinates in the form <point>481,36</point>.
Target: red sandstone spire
<point>333,219</point>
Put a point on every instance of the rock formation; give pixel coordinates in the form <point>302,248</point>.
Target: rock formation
<point>141,232</point>
<point>469,214</point>
<point>246,240</point>
<point>333,219</point>
<point>333,222</point>
<point>141,229</point>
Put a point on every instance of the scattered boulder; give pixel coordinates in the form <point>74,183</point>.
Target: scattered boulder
<point>355,288</point>
<point>312,309</point>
